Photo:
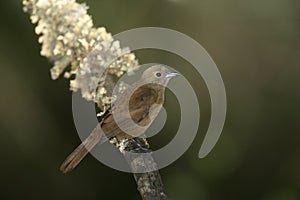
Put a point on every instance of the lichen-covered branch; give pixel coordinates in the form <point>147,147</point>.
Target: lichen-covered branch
<point>92,60</point>
<point>69,39</point>
<point>138,155</point>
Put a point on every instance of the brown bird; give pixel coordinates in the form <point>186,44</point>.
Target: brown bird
<point>130,115</point>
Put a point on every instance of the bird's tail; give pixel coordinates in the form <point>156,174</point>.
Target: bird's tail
<point>82,150</point>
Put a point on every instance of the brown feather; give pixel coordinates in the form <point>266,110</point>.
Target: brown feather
<point>144,105</point>
<point>82,150</point>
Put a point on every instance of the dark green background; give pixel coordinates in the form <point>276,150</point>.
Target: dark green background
<point>256,47</point>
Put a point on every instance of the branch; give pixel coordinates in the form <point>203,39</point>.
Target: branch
<point>137,153</point>
<point>76,48</point>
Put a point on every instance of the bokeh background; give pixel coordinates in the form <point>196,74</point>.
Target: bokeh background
<point>255,44</point>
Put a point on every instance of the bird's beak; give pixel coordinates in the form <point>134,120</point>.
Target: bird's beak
<point>172,74</point>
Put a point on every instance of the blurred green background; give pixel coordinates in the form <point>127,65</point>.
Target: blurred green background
<point>255,44</point>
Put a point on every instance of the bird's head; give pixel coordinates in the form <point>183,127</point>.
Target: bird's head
<point>158,74</point>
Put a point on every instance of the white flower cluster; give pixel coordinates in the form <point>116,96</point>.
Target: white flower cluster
<point>68,38</point>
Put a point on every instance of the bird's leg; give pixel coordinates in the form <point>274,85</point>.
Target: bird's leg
<point>138,145</point>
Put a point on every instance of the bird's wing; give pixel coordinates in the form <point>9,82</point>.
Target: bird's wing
<point>135,121</point>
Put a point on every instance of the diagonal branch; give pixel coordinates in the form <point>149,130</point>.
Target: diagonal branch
<point>76,48</point>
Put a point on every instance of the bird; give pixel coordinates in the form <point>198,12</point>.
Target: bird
<point>142,101</point>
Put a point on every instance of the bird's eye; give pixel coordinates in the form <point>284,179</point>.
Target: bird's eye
<point>158,74</point>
